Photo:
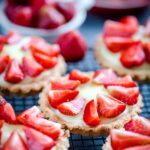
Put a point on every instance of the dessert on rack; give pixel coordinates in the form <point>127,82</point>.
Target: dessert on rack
<point>124,46</point>
<point>27,63</point>
<point>91,103</point>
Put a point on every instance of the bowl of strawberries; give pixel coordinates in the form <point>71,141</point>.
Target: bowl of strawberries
<point>46,18</point>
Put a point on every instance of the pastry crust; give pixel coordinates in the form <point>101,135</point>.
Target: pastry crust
<point>142,75</point>
<point>103,129</point>
<point>36,85</point>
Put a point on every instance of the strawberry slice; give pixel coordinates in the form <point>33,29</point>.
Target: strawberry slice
<point>37,140</point>
<point>124,81</point>
<point>14,73</point>
<point>115,44</point>
<point>4,61</point>
<point>15,142</point>
<point>78,75</point>
<point>131,22</point>
<point>147,51</point>
<point>2,39</point>
<point>57,97</point>
<point>90,116</point>
<point>104,76</point>
<point>133,56</point>
<point>139,125</point>
<point>116,29</point>
<point>1,47</point>
<point>109,107</point>
<point>126,95</point>
<point>13,37</point>
<point>46,61</point>
<point>73,107</point>
<point>63,84</point>
<point>31,67</point>
<point>145,147</point>
<point>7,112</point>
<point>123,139</point>
<point>1,125</point>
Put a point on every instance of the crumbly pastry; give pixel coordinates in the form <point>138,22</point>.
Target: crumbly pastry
<point>27,63</point>
<point>125,48</point>
<point>134,136</point>
<point>29,130</point>
<point>91,103</point>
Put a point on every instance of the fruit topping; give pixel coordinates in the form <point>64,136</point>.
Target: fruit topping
<point>4,61</point>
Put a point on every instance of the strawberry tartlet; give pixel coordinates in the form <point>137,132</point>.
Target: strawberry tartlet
<point>134,136</point>
<point>91,103</point>
<point>27,64</point>
<point>124,46</point>
<point>29,130</point>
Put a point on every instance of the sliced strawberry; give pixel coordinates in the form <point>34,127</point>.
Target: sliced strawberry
<point>64,84</point>
<point>31,67</point>
<point>73,107</point>
<point>57,97</point>
<point>126,95</point>
<point>131,22</point>
<point>147,51</point>
<point>133,56</point>
<point>6,111</point>
<point>2,39</point>
<point>148,27</point>
<point>78,75</point>
<point>1,124</point>
<point>124,81</point>
<point>13,37</point>
<point>104,76</point>
<point>15,142</point>
<point>39,45</point>
<point>145,147</point>
<point>14,73</point>
<point>116,29</point>
<point>1,47</point>
<point>109,107</point>
<point>115,44</point>
<point>46,61</point>
<point>90,116</point>
<point>37,140</point>
<point>123,139</point>
<point>4,61</point>
<point>139,125</point>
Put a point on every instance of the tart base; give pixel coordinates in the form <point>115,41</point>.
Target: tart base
<point>103,129</point>
<point>34,87</point>
<point>142,75</point>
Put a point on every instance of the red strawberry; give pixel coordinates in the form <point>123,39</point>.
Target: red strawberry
<point>67,9</point>
<point>126,95</point>
<point>57,97</point>
<point>50,18</point>
<point>104,76</point>
<point>13,37</point>
<point>133,56</point>
<point>4,62</point>
<point>1,47</point>
<point>148,27</point>
<point>37,140</point>
<point>63,84</point>
<point>1,125</point>
<point>145,147</point>
<point>78,75</point>
<point>109,107</point>
<point>15,142</point>
<point>116,29</point>
<point>73,46</point>
<point>115,44</point>
<point>131,22</point>
<point>73,107</point>
<point>14,73</point>
<point>90,116</point>
<point>139,125</point>
<point>2,39</point>
<point>46,61</point>
<point>7,113</point>
<point>123,139</point>
<point>31,67</point>
<point>124,81</point>
<point>147,51</point>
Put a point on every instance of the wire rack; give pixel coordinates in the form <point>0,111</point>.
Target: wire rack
<point>78,142</point>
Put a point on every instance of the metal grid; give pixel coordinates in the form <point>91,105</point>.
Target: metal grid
<point>78,142</point>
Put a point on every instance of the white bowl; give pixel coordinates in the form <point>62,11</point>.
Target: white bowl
<point>50,34</point>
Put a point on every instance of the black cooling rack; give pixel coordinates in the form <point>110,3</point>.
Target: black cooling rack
<point>78,142</point>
